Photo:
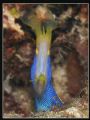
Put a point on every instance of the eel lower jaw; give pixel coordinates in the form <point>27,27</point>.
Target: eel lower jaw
<point>39,88</point>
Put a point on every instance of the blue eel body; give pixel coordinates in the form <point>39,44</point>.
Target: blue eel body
<point>49,98</point>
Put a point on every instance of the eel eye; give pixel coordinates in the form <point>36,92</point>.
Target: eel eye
<point>36,51</point>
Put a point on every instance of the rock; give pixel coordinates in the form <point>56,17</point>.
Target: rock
<point>74,112</point>
<point>75,75</point>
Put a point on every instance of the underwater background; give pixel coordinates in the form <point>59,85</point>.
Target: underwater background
<point>69,59</point>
